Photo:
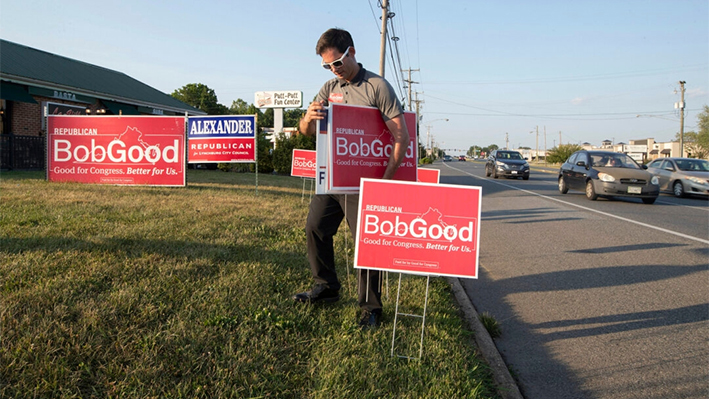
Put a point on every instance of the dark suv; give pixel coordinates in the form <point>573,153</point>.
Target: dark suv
<point>506,163</point>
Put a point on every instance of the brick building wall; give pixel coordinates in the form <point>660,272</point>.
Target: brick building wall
<point>26,118</point>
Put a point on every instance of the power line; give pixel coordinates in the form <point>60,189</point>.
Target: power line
<point>628,115</point>
<point>621,75</point>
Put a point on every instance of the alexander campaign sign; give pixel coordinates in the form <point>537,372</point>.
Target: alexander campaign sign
<point>303,163</point>
<point>358,145</point>
<point>124,150</point>
<point>222,139</point>
<point>418,228</point>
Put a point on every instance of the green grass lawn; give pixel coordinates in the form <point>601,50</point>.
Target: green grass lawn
<point>146,292</point>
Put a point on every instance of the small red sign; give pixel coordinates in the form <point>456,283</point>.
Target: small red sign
<point>124,150</point>
<point>303,163</point>
<point>418,228</point>
<point>428,175</point>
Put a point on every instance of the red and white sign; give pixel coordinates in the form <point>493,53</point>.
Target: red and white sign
<point>360,146</point>
<point>303,163</point>
<point>124,150</point>
<point>428,175</point>
<point>418,228</point>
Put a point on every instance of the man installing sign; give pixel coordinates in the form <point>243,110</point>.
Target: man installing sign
<point>356,86</point>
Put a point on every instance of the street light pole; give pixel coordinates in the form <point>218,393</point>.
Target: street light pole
<point>681,120</point>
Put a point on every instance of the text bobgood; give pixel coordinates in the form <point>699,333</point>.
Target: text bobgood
<point>116,151</point>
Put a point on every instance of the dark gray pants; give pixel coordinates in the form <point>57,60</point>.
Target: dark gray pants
<point>325,215</point>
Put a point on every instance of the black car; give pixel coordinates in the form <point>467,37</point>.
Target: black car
<point>506,163</point>
<point>607,174</point>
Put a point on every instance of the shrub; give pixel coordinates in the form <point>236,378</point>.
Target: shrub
<point>561,153</point>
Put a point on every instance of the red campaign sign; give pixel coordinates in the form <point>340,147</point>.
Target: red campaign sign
<point>224,150</point>
<point>123,150</point>
<point>428,175</point>
<point>418,228</point>
<point>360,146</point>
<point>303,163</point>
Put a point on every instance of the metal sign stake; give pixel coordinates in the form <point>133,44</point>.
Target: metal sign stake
<point>423,320</point>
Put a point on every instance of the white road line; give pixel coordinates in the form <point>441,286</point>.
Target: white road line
<point>589,209</point>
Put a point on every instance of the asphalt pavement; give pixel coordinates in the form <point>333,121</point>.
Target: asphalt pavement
<point>604,299</point>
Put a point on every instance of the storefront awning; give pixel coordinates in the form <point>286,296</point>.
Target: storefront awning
<point>653,152</point>
<point>14,92</point>
<point>120,109</point>
<point>666,151</point>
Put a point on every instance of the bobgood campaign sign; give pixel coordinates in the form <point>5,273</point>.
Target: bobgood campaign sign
<point>418,228</point>
<point>428,175</point>
<point>225,139</point>
<point>124,150</point>
<point>359,146</point>
<point>303,163</point>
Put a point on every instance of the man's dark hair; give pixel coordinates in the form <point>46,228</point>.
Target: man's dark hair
<point>337,38</point>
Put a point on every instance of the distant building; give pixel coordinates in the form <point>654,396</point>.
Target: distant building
<point>643,150</point>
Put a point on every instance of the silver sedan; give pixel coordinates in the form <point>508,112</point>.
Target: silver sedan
<point>682,176</point>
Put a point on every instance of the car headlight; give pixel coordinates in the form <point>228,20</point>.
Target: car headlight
<point>696,180</point>
<point>525,166</point>
<point>504,165</point>
<point>655,181</point>
<point>605,177</point>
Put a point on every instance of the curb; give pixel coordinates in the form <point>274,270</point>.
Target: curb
<point>505,384</point>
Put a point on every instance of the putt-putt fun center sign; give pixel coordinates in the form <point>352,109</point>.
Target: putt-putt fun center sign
<point>354,143</point>
<point>123,150</point>
<point>222,139</point>
<point>418,228</point>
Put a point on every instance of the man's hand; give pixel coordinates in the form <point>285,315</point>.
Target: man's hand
<point>397,127</point>
<point>315,112</point>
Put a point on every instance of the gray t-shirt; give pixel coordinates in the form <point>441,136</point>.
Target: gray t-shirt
<point>367,88</point>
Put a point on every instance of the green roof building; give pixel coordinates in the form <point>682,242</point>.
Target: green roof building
<point>32,79</point>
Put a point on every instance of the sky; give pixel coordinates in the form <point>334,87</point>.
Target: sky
<point>510,73</point>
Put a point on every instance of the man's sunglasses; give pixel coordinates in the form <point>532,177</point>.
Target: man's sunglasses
<point>338,62</point>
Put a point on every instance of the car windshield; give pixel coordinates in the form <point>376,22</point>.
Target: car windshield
<point>693,165</point>
<point>613,160</point>
<point>509,155</point>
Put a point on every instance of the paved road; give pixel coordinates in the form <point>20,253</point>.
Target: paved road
<point>597,299</point>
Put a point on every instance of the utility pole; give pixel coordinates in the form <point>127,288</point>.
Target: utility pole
<point>418,106</point>
<point>537,150</point>
<point>410,82</point>
<point>383,47</point>
<point>507,141</point>
<point>545,145</point>
<point>560,137</point>
<point>681,119</point>
<point>418,118</point>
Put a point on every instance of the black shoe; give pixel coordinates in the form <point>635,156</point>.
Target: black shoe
<point>319,293</point>
<point>370,319</point>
